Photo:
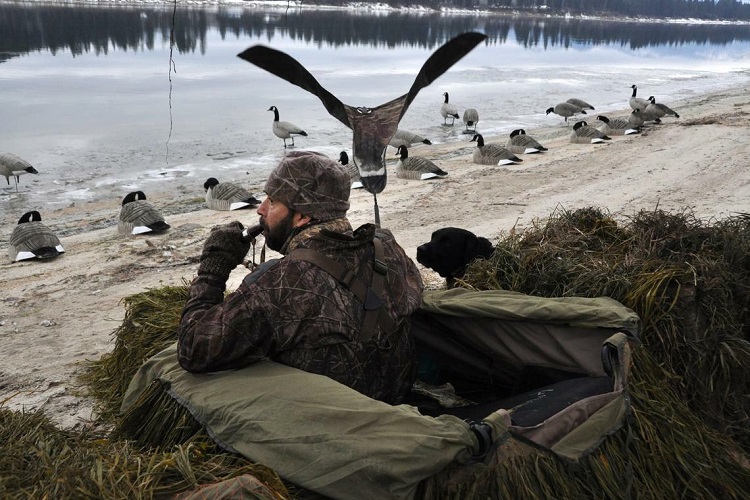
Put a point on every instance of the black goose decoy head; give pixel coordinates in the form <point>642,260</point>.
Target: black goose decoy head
<point>372,127</point>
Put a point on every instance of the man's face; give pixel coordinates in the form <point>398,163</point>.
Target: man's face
<point>277,221</point>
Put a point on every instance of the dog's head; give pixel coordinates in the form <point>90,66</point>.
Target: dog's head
<point>451,249</point>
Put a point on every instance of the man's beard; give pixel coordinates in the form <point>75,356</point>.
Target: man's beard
<point>277,236</point>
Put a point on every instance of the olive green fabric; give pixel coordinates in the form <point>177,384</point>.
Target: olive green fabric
<point>311,430</point>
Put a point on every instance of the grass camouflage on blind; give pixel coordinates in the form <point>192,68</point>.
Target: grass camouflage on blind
<point>688,436</point>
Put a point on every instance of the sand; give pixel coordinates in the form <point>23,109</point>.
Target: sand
<point>56,315</point>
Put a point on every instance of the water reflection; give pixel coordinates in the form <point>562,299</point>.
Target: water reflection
<point>83,29</point>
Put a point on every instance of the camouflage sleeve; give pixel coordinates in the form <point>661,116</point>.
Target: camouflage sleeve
<point>221,333</point>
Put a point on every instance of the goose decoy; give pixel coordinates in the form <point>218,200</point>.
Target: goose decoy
<point>520,143</point>
<point>352,168</point>
<point>406,138</point>
<point>616,126</point>
<point>658,109</point>
<point>471,117</point>
<point>448,110</point>
<point>580,103</point>
<point>492,154</point>
<point>227,195</point>
<point>584,134</point>
<point>566,110</point>
<point>372,127</point>
<point>14,166</point>
<point>638,118</point>
<point>137,216</point>
<point>416,167</point>
<point>637,102</point>
<point>285,130</point>
<point>33,240</point>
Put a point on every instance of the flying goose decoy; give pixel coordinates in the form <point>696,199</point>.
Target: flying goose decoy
<point>416,167</point>
<point>285,130</point>
<point>520,143</point>
<point>492,154</point>
<point>372,127</point>
<point>584,134</point>
<point>352,168</point>
<point>227,195</point>
<point>406,138</point>
<point>137,216</point>
<point>580,103</point>
<point>566,110</point>
<point>471,117</point>
<point>637,102</point>
<point>616,126</point>
<point>448,110</point>
<point>33,240</point>
<point>659,109</point>
<point>14,166</point>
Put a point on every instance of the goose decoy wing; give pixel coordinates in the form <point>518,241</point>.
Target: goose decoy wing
<point>373,127</point>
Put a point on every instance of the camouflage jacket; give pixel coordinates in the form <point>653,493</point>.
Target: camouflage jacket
<point>293,312</point>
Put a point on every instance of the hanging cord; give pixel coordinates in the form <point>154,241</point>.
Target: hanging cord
<point>172,66</point>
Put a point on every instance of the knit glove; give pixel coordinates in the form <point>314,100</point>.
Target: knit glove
<point>224,249</point>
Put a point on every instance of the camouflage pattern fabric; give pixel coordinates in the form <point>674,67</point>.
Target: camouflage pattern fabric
<point>297,314</point>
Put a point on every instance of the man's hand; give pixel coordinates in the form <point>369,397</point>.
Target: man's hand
<point>224,249</point>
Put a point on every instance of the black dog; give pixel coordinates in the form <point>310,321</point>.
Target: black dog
<point>450,250</point>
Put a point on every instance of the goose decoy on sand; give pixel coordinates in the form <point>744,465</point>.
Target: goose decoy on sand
<point>448,110</point>
<point>31,239</point>
<point>471,117</point>
<point>138,216</point>
<point>616,126</point>
<point>406,138</point>
<point>285,130</point>
<point>353,172</point>
<point>520,143</point>
<point>372,127</point>
<point>637,102</point>
<point>14,166</point>
<point>580,103</point>
<point>638,118</point>
<point>584,134</point>
<point>416,167</point>
<point>227,195</point>
<point>566,110</point>
<point>658,109</point>
<point>492,154</point>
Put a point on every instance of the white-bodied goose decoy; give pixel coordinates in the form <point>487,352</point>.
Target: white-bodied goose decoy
<point>227,196</point>
<point>520,143</point>
<point>372,127</point>
<point>580,103</point>
<point>14,166</point>
<point>138,216</point>
<point>33,240</point>
<point>616,126</point>
<point>285,130</point>
<point>584,134</point>
<point>406,138</point>
<point>416,167</point>
<point>566,110</point>
<point>658,109</point>
<point>637,102</point>
<point>448,110</point>
<point>352,168</point>
<point>492,154</point>
<point>471,117</point>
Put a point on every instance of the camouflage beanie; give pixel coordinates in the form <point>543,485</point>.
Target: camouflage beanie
<point>312,184</point>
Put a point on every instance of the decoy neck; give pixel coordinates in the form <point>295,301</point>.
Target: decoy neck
<point>210,182</point>
<point>344,158</point>
<point>275,113</point>
<point>518,131</point>
<point>603,118</point>
<point>402,152</point>
<point>635,89</point>
<point>478,139</point>
<point>446,96</point>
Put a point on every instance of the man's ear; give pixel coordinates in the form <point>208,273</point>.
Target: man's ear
<point>301,220</point>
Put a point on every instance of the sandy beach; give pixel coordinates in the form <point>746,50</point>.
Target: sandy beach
<point>56,315</point>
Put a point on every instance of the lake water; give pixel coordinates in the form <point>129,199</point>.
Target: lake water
<point>87,95</point>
